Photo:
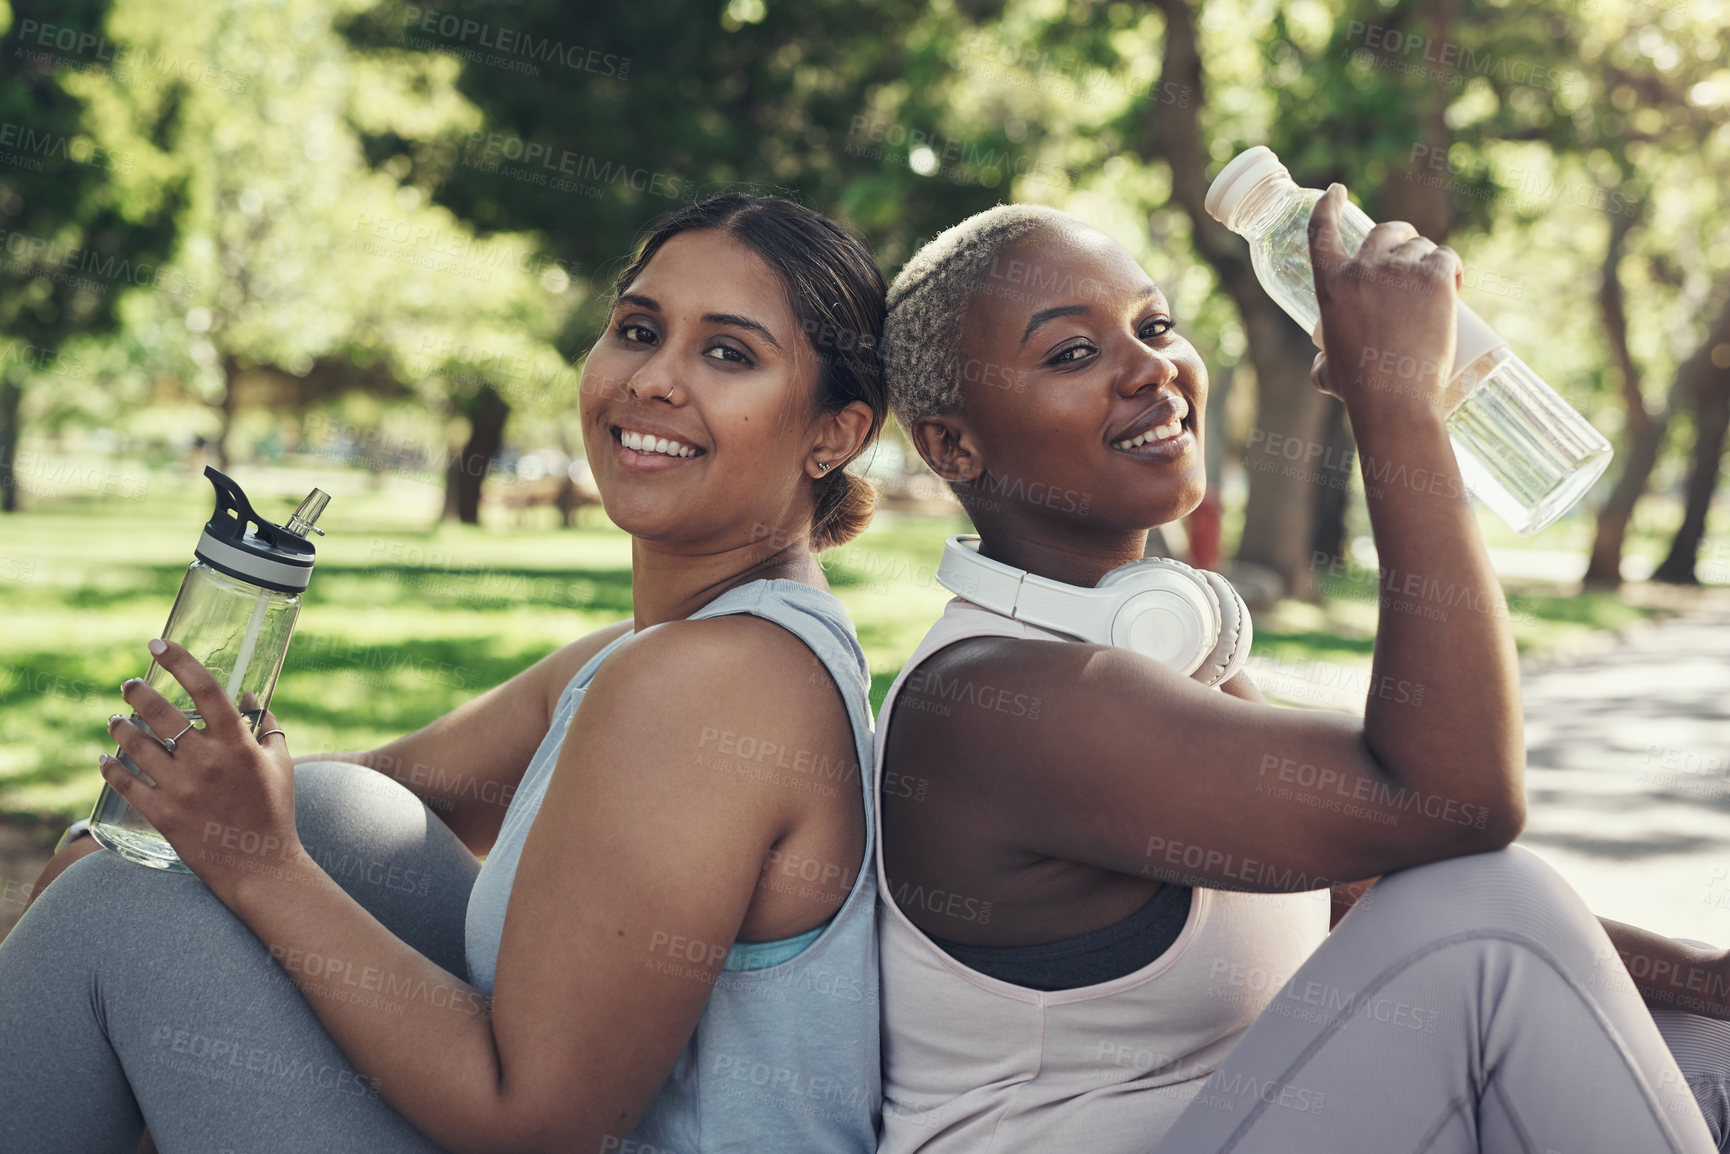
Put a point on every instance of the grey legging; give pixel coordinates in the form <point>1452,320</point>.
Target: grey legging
<point>131,997</point>
<point>1467,1005</point>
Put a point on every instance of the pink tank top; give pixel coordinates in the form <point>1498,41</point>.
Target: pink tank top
<point>972,1064</point>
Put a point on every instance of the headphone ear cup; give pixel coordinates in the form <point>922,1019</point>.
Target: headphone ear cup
<point>1175,637</point>
<point>1236,634</point>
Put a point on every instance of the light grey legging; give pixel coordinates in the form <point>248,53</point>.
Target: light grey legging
<point>1467,1005</point>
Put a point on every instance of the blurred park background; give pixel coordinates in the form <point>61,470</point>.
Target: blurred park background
<point>365,246</point>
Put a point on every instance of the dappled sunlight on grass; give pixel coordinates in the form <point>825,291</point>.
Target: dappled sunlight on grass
<point>404,622</point>
<point>398,627</point>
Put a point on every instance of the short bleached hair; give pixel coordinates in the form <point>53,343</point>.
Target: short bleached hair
<point>929,300</point>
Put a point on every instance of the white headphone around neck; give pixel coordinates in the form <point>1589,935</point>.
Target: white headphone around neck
<point>1187,619</point>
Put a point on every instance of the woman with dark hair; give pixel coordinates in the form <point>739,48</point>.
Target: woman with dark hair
<point>670,946</point>
<point>1104,884</point>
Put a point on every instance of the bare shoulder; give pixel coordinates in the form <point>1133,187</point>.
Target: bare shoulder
<point>574,656</point>
<point>563,663</point>
<point>967,703</point>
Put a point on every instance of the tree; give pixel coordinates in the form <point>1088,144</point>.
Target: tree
<point>1647,107</point>
<point>790,98</point>
<point>1704,382</point>
<point>81,223</point>
<point>303,254</point>
<point>1276,518</point>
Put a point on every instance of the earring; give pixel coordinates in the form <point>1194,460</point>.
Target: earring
<point>823,466</point>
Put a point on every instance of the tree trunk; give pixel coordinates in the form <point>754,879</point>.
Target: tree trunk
<point>1333,474</point>
<point>487,413</point>
<point>567,501</point>
<point>1639,455</point>
<point>225,408</point>
<point>1642,429</point>
<point>1277,516</point>
<point>1204,523</point>
<point>1426,205</point>
<point>11,401</point>
<point>1711,402</point>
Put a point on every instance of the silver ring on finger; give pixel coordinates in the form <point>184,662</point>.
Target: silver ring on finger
<point>169,743</point>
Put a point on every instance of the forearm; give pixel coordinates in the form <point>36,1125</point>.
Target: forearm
<point>1672,975</point>
<point>1443,626</point>
<point>423,1036</point>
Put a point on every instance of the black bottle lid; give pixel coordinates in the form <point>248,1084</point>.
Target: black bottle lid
<point>242,544</point>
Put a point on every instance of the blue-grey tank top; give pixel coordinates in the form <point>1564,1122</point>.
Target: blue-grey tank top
<point>785,1056</point>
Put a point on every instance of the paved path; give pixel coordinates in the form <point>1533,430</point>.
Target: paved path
<point>1628,779</point>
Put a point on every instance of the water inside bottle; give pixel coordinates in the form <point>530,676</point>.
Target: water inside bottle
<point>117,825</point>
<point>1521,450</point>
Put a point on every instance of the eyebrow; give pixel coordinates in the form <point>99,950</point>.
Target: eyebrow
<point>744,323</point>
<point>733,319</point>
<point>1043,315</point>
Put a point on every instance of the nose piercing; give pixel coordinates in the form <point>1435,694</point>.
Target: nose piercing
<point>669,395</point>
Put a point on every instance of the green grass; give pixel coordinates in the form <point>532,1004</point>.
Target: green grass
<point>407,618</point>
<point>401,623</point>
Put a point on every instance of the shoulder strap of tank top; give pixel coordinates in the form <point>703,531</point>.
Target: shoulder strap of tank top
<point>809,613</point>
<point>587,673</point>
<point>817,618</point>
<point>814,616</point>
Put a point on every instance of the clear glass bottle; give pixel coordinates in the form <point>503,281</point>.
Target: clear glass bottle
<point>235,612</point>
<point>1521,449</point>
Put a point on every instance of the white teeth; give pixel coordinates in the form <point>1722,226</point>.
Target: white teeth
<point>642,443</point>
<point>1158,433</point>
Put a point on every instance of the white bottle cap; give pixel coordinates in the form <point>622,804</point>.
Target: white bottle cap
<point>1246,170</point>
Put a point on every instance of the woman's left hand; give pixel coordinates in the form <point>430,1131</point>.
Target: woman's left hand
<point>224,801</point>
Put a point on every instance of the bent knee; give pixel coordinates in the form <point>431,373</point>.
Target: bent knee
<point>340,807</point>
<point>333,795</point>
<point>1511,888</point>
<point>1512,867</point>
<point>63,858</point>
<point>98,887</point>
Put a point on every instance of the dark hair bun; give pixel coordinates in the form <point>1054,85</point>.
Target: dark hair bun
<point>844,508</point>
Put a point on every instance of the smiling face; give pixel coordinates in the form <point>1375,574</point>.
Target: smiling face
<point>693,398</point>
<point>1081,405</point>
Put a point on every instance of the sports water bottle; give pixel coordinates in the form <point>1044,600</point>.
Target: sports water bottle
<point>1521,449</point>
<point>235,612</point>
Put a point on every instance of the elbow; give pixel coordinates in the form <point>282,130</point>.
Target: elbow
<point>1505,823</point>
<point>1461,828</point>
<point>1498,822</point>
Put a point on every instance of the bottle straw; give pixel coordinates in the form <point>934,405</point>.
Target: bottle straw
<point>247,645</point>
